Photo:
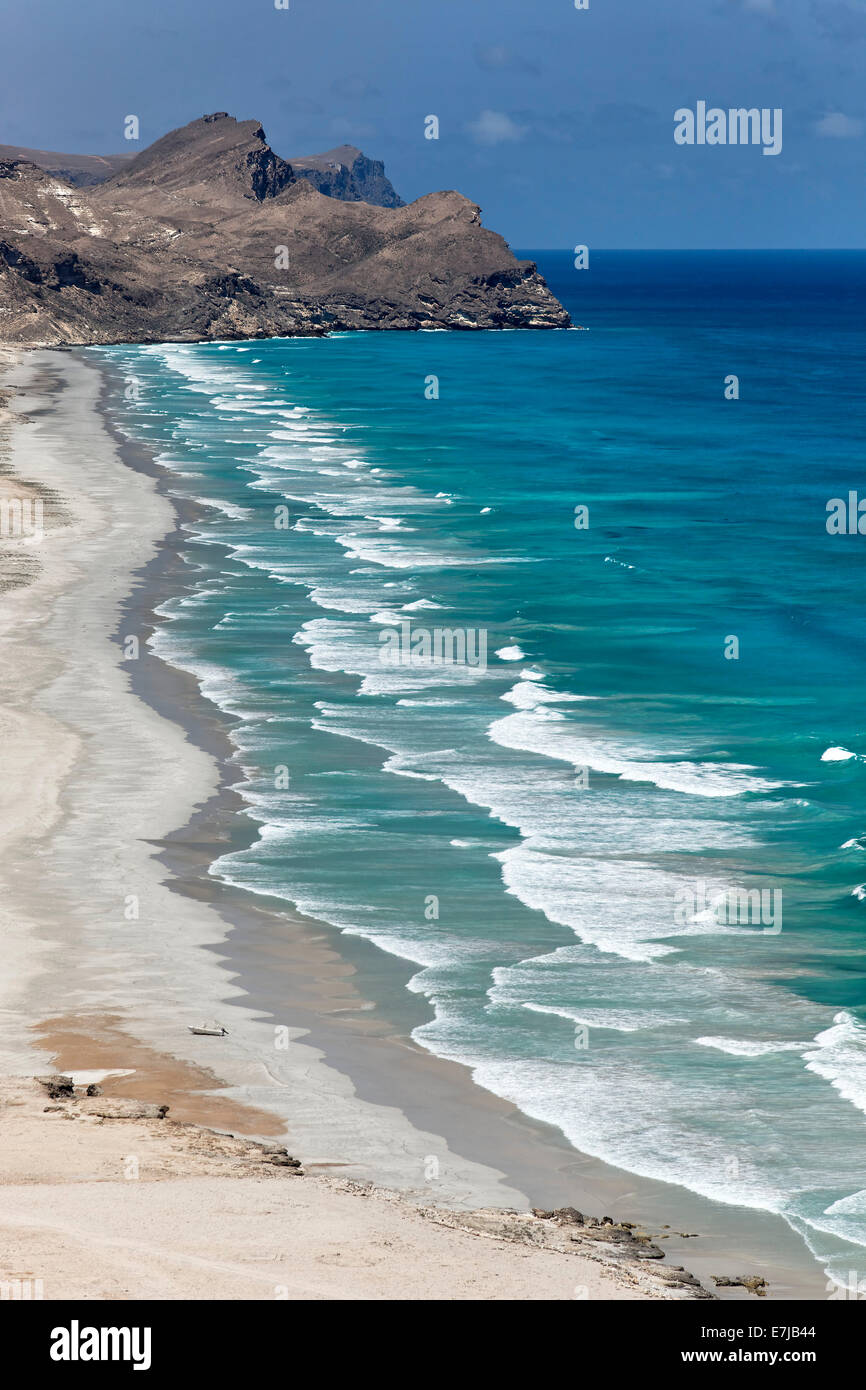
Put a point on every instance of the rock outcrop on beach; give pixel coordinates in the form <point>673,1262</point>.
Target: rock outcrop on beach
<point>210,234</point>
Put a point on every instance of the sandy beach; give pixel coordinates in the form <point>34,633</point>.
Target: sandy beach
<point>115,792</point>
<point>98,1207</point>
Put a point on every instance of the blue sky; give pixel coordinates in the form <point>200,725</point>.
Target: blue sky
<point>558,121</point>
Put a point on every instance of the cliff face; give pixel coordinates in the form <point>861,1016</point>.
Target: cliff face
<point>211,162</point>
<point>348,174</point>
<point>209,234</point>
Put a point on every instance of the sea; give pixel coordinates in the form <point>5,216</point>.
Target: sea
<point>543,656</point>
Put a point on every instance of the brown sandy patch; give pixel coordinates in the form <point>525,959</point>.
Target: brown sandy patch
<point>97,1042</point>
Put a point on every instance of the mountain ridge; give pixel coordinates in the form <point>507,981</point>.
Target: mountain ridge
<point>209,234</point>
<point>81,170</point>
<point>343,172</point>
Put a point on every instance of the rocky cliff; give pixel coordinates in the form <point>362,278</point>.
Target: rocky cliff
<point>210,234</point>
<point>344,172</point>
<point>347,173</point>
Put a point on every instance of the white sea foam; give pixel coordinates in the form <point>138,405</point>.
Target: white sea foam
<point>341,597</point>
<point>612,1020</point>
<point>391,523</point>
<point>386,618</point>
<point>230,509</point>
<point>745,1047</point>
<point>546,731</point>
<point>431,703</point>
<point>333,645</point>
<point>401,557</point>
<point>839,1055</point>
<point>530,694</point>
<point>514,653</point>
<point>638,900</point>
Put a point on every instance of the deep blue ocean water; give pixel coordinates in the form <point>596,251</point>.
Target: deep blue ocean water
<point>548,834</point>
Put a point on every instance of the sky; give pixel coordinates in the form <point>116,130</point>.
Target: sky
<point>559,122</point>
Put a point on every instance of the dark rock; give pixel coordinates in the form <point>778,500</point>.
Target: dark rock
<point>57,1086</point>
<point>568,1216</point>
<point>346,173</point>
<point>645,1250</point>
<point>755,1283</point>
<point>676,1275</point>
<point>94,1090</point>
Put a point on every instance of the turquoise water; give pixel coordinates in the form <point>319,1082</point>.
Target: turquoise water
<point>554,835</point>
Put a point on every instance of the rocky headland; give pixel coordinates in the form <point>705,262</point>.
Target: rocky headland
<point>209,233</point>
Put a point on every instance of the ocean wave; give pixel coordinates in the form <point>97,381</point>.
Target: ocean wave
<point>621,906</point>
<point>744,1047</point>
<point>230,509</point>
<point>547,733</point>
<point>441,704</point>
<point>399,557</point>
<point>839,1055</point>
<point>390,523</point>
<point>343,647</point>
<point>530,694</point>
<point>611,1020</point>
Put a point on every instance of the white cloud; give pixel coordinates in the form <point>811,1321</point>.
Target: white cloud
<point>838,126</point>
<point>495,127</point>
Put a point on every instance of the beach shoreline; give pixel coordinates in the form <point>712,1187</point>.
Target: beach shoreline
<point>363,1097</point>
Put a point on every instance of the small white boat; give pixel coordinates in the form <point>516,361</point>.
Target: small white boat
<point>209,1030</point>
